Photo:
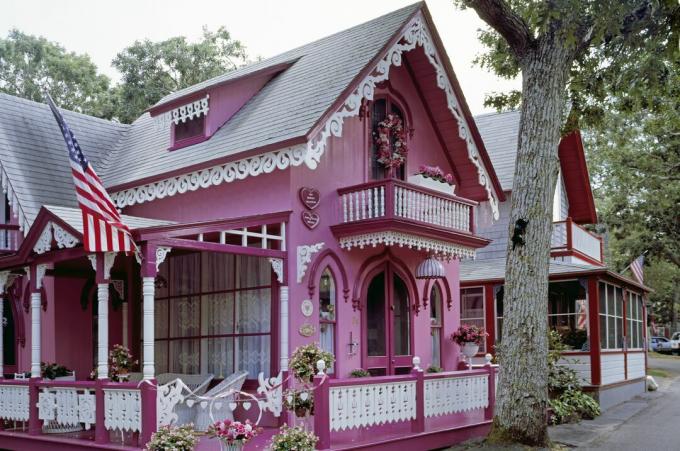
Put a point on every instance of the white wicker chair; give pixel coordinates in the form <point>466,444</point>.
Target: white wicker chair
<point>135,377</point>
<point>197,383</point>
<point>220,408</point>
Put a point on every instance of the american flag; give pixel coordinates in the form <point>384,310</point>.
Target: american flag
<point>103,228</point>
<point>636,268</point>
<point>582,312</point>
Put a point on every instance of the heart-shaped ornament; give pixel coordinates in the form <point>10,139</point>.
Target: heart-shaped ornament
<point>289,398</point>
<point>310,197</point>
<point>304,396</point>
<point>310,219</point>
<point>246,405</point>
<point>190,402</point>
<point>232,406</point>
<point>204,404</point>
<point>218,405</point>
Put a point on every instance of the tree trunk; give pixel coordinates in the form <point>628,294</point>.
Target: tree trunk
<point>523,389</point>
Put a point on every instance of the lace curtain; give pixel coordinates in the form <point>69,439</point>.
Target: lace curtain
<point>216,315</point>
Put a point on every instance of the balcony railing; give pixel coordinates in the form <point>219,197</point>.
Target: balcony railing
<point>10,237</point>
<point>394,199</point>
<point>568,236</point>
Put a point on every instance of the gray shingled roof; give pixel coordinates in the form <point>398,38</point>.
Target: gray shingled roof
<point>499,133</point>
<point>33,156</point>
<point>74,217</point>
<point>287,107</point>
<point>494,269</point>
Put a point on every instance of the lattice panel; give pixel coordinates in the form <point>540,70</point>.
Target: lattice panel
<point>455,394</point>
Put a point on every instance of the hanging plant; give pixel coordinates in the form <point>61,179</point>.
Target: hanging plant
<point>390,137</point>
<point>303,361</point>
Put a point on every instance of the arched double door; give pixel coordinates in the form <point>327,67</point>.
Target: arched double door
<point>387,323</point>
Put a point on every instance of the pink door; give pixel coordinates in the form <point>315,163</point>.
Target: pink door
<point>387,324</point>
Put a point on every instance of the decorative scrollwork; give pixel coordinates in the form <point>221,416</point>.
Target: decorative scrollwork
<point>446,249</point>
<point>304,257</point>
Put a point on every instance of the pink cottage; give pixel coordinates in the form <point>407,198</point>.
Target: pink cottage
<point>270,213</point>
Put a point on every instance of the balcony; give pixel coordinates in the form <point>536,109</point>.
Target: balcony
<point>571,239</point>
<point>395,212</point>
<point>10,238</point>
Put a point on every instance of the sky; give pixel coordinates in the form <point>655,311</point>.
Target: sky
<point>267,28</point>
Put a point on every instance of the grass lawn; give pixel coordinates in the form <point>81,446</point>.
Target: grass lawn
<point>658,373</point>
<point>656,355</point>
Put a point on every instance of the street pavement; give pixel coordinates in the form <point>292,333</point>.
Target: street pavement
<point>648,422</point>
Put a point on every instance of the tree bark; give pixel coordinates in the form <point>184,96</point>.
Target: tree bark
<point>523,389</point>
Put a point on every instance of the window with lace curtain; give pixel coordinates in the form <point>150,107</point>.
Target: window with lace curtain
<point>214,314</point>
<point>327,313</point>
<point>436,324</point>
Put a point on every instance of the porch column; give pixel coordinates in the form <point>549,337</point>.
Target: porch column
<point>148,335</point>
<point>103,330</point>
<point>4,276</point>
<point>283,298</point>
<point>37,273</point>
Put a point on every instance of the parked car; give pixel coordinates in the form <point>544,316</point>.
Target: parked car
<point>675,343</point>
<point>660,344</point>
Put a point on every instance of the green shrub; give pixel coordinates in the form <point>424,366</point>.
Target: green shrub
<point>573,405</point>
<point>360,372</point>
<point>434,369</point>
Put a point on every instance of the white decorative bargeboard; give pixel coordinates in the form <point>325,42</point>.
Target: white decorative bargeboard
<point>183,113</point>
<point>444,248</point>
<point>357,406</point>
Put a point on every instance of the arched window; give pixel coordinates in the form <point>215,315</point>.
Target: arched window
<point>327,312</point>
<point>436,324</point>
<point>380,109</point>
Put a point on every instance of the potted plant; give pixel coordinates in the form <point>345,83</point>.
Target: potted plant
<point>173,438</point>
<point>303,361</point>
<point>299,401</point>
<point>233,435</point>
<point>434,178</point>
<point>469,337</point>
<point>56,372</point>
<point>434,369</point>
<point>120,363</point>
<point>295,438</point>
<point>359,372</point>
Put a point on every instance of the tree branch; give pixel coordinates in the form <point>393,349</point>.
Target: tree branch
<point>499,15</point>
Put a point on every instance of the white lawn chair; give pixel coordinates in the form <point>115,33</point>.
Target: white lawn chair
<point>220,407</point>
<point>197,383</point>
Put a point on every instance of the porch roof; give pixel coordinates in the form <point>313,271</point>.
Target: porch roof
<point>73,217</point>
<point>493,270</point>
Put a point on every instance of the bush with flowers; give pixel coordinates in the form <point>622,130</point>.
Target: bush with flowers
<point>173,438</point>
<point>299,401</point>
<point>435,173</point>
<point>120,364</point>
<point>232,432</point>
<point>303,361</point>
<point>295,438</point>
<point>467,333</point>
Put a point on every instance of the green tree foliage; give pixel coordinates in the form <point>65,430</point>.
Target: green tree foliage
<point>29,63</point>
<point>151,70</point>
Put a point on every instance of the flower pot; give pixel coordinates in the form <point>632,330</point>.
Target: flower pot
<point>430,183</point>
<point>231,446</point>
<point>470,349</point>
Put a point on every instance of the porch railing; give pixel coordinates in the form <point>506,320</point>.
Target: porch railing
<point>569,236</point>
<point>10,236</point>
<point>416,398</point>
<point>66,406</point>
<point>389,199</point>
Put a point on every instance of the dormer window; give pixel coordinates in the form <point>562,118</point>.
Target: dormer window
<point>188,123</point>
<point>190,129</point>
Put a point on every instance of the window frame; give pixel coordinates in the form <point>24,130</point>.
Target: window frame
<point>637,320</point>
<point>392,99</point>
<point>176,144</point>
<point>333,322</point>
<point>440,326</point>
<point>604,331</point>
<point>201,335</point>
<point>482,347</point>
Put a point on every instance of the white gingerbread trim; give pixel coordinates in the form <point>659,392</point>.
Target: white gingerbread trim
<point>416,34</point>
<point>109,259</point>
<point>277,267</point>
<point>44,242</point>
<point>304,257</point>
<point>119,286</point>
<point>161,253</point>
<point>93,260</point>
<point>444,248</point>
<point>39,274</point>
<point>183,113</point>
<point>17,210</point>
<point>63,238</point>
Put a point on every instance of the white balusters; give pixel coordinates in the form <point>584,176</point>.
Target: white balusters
<point>123,410</point>
<point>449,395</point>
<point>371,404</point>
<point>14,402</point>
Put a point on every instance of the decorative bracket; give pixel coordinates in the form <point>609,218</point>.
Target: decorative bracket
<point>39,274</point>
<point>63,238</point>
<point>109,259</point>
<point>304,257</point>
<point>161,253</point>
<point>119,286</point>
<point>277,267</point>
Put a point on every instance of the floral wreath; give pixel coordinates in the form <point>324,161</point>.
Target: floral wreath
<point>390,138</point>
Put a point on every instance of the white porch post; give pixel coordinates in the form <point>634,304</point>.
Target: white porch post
<point>148,335</point>
<point>103,330</point>
<point>4,276</point>
<point>283,298</point>
<point>35,334</point>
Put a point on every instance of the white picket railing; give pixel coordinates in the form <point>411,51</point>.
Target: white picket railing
<point>356,406</point>
<point>14,402</point>
<point>123,410</point>
<point>66,407</point>
<point>402,200</point>
<point>446,395</point>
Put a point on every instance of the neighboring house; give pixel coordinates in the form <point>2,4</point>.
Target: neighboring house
<point>599,313</point>
<point>265,222</point>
